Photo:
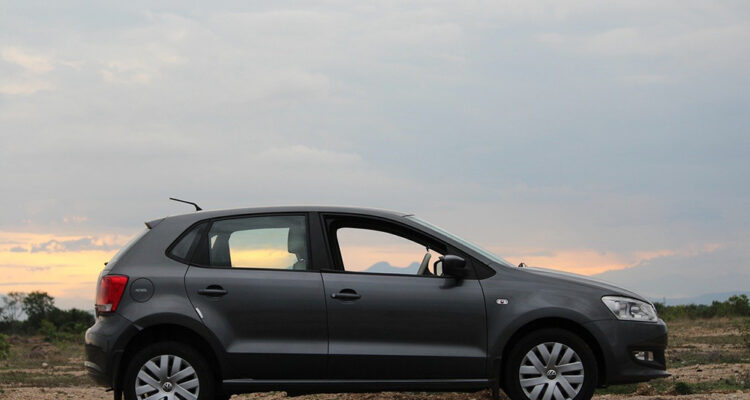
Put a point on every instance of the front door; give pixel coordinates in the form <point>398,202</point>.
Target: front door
<point>389,317</point>
<point>256,290</point>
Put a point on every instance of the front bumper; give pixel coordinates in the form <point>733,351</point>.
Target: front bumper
<point>620,339</point>
<point>102,352</point>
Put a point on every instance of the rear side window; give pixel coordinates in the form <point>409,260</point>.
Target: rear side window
<point>267,242</point>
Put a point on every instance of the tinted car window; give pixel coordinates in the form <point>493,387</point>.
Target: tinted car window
<point>181,249</point>
<point>269,242</point>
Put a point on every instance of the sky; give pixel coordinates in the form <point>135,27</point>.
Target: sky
<point>596,137</point>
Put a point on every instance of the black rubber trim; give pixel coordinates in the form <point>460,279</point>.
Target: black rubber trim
<point>344,386</point>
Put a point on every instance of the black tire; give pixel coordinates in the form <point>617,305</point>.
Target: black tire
<point>205,377</point>
<point>518,353</point>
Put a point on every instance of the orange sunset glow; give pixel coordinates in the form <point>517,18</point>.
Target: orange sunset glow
<point>45,262</point>
<point>41,262</point>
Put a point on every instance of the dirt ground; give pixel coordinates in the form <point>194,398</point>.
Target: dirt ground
<point>708,357</point>
<point>90,393</point>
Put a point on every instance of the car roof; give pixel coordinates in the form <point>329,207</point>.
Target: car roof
<point>207,214</point>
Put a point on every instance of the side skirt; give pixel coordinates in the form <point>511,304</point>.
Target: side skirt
<point>299,386</point>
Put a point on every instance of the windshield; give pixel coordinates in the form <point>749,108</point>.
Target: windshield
<point>466,243</point>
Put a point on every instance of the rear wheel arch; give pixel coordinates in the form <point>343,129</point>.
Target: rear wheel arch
<point>168,369</point>
<point>559,323</point>
<point>168,332</point>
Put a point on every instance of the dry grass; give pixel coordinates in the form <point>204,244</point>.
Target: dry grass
<point>712,341</point>
<point>706,357</point>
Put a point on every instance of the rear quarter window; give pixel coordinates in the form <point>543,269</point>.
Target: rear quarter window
<point>182,248</point>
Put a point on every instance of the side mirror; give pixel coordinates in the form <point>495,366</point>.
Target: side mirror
<point>454,266</point>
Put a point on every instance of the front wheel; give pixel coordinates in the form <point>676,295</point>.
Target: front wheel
<point>168,371</point>
<point>550,364</point>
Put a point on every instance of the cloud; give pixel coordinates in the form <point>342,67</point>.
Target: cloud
<point>27,283</point>
<point>718,270</point>
<point>74,219</point>
<point>650,79</point>
<point>18,249</point>
<point>32,62</point>
<point>140,64</point>
<point>577,135</point>
<point>24,88</point>
<point>82,244</point>
<point>64,266</point>
<point>32,76</point>
<point>38,269</point>
<point>675,51</point>
<point>304,155</point>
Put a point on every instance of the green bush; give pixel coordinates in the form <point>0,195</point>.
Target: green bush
<point>682,388</point>
<point>4,347</point>
<point>48,331</point>
<point>735,306</point>
<point>39,307</point>
<point>73,321</point>
<point>744,327</point>
<point>52,333</point>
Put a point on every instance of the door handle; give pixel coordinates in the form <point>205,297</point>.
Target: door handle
<point>213,291</point>
<point>346,294</point>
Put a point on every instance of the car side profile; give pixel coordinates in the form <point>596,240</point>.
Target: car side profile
<point>336,299</point>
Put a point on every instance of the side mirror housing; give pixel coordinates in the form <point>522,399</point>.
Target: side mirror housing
<point>454,266</point>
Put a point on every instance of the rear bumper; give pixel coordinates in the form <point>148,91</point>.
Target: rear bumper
<point>620,339</point>
<point>102,354</point>
<point>96,373</point>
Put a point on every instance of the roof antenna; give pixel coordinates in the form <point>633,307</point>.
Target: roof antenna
<point>197,208</point>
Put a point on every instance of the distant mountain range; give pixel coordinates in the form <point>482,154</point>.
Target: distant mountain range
<point>707,298</point>
<point>698,278</point>
<point>383,267</point>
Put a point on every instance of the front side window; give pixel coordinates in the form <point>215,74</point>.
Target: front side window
<point>374,251</point>
<point>487,254</point>
<point>268,242</point>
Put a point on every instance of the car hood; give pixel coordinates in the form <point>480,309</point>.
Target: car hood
<point>606,287</point>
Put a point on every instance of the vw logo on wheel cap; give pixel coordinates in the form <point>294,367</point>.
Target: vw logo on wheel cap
<point>551,374</point>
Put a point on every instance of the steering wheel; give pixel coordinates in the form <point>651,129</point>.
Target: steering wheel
<point>425,263</point>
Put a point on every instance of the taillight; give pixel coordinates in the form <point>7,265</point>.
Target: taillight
<point>111,288</point>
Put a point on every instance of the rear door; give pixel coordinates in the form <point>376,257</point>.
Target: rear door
<point>385,320</point>
<point>254,285</point>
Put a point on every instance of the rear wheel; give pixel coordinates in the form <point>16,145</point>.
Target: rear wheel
<point>168,371</point>
<point>550,364</point>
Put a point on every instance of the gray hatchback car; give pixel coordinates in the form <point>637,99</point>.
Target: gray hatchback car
<point>334,299</point>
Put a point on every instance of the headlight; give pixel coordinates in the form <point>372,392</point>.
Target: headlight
<point>630,309</point>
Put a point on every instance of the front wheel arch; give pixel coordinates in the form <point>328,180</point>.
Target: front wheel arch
<point>561,323</point>
<point>550,360</point>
